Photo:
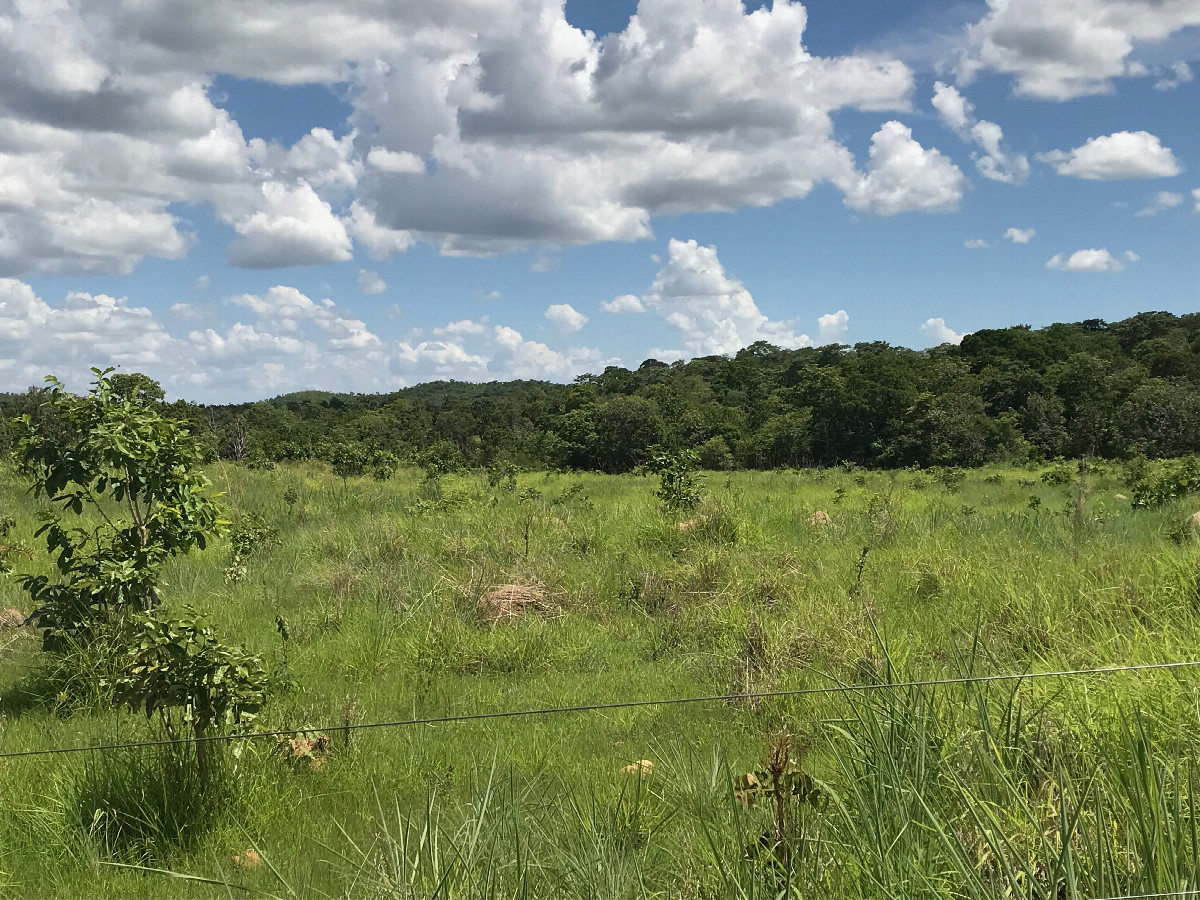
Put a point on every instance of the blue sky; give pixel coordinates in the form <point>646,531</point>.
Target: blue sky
<point>334,196</point>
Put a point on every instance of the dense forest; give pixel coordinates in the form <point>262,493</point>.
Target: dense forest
<point>1086,389</point>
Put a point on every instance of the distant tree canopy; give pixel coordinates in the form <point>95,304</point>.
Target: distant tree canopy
<point>1089,388</point>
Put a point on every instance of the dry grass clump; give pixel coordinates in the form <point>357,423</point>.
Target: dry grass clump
<point>305,751</point>
<point>247,860</point>
<point>511,601</point>
<point>641,768</point>
<point>11,618</point>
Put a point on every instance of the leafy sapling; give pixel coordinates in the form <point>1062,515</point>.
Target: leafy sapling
<point>128,493</point>
<point>128,480</point>
<point>679,478</point>
<point>177,669</point>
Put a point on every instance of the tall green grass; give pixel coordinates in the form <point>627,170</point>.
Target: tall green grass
<point>1080,788</point>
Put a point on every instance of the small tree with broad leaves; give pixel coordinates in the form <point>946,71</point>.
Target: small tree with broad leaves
<point>136,471</point>
<point>129,478</point>
<point>175,667</point>
<point>679,480</point>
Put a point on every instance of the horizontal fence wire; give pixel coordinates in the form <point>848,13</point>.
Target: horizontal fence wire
<point>625,704</point>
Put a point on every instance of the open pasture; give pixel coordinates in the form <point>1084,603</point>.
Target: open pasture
<point>370,600</point>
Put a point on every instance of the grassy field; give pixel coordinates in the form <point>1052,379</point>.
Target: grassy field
<point>1055,788</point>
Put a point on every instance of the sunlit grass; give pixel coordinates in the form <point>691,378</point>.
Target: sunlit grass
<point>1082,788</point>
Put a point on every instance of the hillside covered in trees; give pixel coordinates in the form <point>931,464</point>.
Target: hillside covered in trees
<point>1090,388</point>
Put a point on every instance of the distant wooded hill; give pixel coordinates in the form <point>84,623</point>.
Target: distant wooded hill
<point>1089,388</point>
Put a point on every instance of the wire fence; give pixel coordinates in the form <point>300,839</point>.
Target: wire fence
<point>625,704</point>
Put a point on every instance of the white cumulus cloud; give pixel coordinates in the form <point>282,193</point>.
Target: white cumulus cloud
<point>565,316</point>
<point>395,162</point>
<point>461,327</point>
<point>1180,74</point>
<point>832,327</point>
<point>937,332</point>
<point>282,341</point>
<point>996,162</point>
<point>1125,154</point>
<point>1091,261</point>
<point>1069,48</point>
<point>293,227</point>
<point>1020,235</point>
<point>902,176</point>
<point>370,283</point>
<point>291,342</point>
<point>626,303</point>
<point>436,360</point>
<point>477,127</point>
<point>976,244</point>
<point>380,241</point>
<point>713,313</point>
<point>520,358</point>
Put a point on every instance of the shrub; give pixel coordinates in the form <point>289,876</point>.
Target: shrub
<point>714,454</point>
<point>502,474</point>
<point>249,536</point>
<point>949,477</point>
<point>679,482</point>
<point>442,458</point>
<point>1059,474</point>
<point>138,471</point>
<point>176,668</point>
<point>115,454</point>
<point>357,461</point>
<point>1172,480</point>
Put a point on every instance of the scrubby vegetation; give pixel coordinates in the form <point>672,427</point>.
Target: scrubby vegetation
<point>367,600</point>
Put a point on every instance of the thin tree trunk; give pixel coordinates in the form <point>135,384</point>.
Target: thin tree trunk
<point>201,752</point>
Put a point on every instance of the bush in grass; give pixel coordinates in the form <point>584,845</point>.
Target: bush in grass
<point>249,536</point>
<point>1173,479</point>
<point>1058,474</point>
<point>137,472</point>
<point>502,475</point>
<point>134,473</point>
<point>177,670</point>
<point>356,461</point>
<point>949,477</point>
<point>679,481</point>
<point>715,455</point>
<point>442,458</point>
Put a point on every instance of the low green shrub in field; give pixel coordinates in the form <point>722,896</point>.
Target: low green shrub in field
<point>679,480</point>
<point>129,479</point>
<point>502,474</point>
<point>1155,485</point>
<point>249,536</point>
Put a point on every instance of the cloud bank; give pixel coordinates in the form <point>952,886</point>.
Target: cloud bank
<point>282,341</point>
<point>478,127</point>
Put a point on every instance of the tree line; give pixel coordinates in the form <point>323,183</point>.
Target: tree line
<point>1091,388</point>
